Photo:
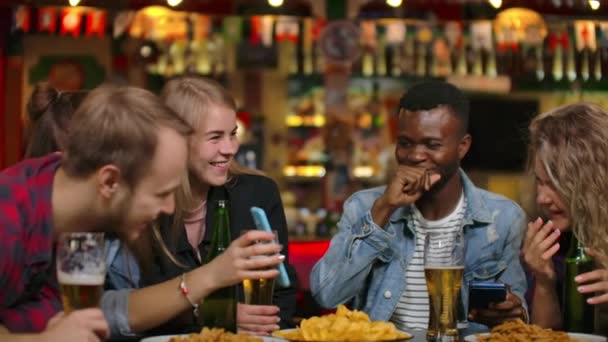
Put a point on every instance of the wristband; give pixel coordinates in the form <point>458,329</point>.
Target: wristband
<point>186,292</point>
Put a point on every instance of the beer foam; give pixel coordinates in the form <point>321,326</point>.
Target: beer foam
<point>80,279</point>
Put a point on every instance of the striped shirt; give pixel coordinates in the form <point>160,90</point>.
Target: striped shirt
<point>412,311</point>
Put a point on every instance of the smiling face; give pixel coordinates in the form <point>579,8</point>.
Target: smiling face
<point>132,209</point>
<point>432,140</point>
<point>549,199</point>
<point>213,146</point>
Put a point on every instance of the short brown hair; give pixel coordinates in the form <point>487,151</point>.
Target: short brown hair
<point>118,125</point>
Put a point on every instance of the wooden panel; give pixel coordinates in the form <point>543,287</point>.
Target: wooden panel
<point>2,111</point>
<point>13,125</point>
<point>5,20</point>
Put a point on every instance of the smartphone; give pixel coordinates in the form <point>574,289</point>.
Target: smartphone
<point>482,293</point>
<point>261,222</point>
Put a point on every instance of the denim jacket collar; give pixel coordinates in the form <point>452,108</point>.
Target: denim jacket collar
<point>476,210</point>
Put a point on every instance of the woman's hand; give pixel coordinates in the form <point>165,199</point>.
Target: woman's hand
<point>236,263</point>
<point>539,247</point>
<point>260,320</point>
<point>594,281</point>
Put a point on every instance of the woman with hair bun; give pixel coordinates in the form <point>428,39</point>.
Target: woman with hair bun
<point>48,114</point>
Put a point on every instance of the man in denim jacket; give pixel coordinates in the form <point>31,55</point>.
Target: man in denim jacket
<point>375,260</point>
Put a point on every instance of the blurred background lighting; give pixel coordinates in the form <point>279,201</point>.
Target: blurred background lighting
<point>173,3</point>
<point>594,4</point>
<point>495,3</point>
<point>275,3</point>
<point>393,3</point>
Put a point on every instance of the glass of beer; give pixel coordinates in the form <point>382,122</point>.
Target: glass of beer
<point>259,291</point>
<point>81,269</point>
<point>443,270</point>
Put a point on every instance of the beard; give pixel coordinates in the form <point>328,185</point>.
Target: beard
<point>115,220</point>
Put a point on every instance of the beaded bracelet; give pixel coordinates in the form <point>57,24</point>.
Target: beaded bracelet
<point>185,291</point>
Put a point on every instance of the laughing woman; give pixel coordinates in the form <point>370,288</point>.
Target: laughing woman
<point>569,158</point>
<point>214,174</point>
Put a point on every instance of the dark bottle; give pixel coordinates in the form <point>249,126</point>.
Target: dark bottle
<point>578,314</point>
<point>218,310</point>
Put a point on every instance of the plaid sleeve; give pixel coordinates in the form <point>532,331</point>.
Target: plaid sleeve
<point>32,316</point>
<point>11,247</point>
<point>27,298</point>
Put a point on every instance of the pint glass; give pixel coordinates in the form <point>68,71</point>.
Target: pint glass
<point>259,291</point>
<point>81,269</point>
<point>443,270</point>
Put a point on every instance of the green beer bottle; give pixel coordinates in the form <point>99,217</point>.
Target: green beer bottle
<point>218,310</point>
<point>578,314</point>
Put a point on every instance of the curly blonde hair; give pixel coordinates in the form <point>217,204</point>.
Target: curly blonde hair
<point>572,144</point>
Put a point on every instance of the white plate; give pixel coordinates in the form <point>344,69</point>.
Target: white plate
<point>577,336</point>
<point>166,338</point>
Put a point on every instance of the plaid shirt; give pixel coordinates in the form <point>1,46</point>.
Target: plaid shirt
<point>29,294</point>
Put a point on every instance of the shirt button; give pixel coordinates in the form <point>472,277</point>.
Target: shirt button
<point>387,294</point>
<point>366,229</point>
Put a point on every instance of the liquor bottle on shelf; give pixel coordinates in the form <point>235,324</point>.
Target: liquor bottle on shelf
<point>570,63</point>
<point>380,53</point>
<point>584,56</point>
<point>540,66</point>
<point>558,63</point>
<point>597,68</point>
<point>461,61</point>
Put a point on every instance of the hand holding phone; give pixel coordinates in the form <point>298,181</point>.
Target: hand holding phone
<point>261,222</point>
<point>482,293</point>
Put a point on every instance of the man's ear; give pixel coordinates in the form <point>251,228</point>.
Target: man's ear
<point>464,145</point>
<point>108,179</point>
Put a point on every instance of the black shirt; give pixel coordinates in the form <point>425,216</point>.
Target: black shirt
<point>242,192</point>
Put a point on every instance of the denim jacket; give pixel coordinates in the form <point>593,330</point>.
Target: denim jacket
<point>365,264</point>
<point>122,277</point>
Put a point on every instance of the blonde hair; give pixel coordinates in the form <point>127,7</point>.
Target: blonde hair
<point>191,97</point>
<point>572,144</point>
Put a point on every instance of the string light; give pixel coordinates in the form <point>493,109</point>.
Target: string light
<point>275,3</point>
<point>74,2</point>
<point>594,4</point>
<point>393,3</point>
<point>495,3</point>
<point>173,3</point>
